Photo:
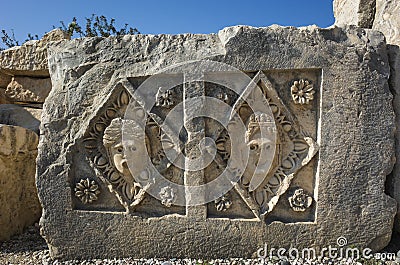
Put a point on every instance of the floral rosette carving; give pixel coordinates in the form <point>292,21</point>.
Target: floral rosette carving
<point>302,92</point>
<point>223,203</point>
<point>87,191</point>
<point>300,201</point>
<point>167,195</point>
<point>164,98</point>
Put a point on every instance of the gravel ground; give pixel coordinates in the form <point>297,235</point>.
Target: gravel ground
<point>30,248</point>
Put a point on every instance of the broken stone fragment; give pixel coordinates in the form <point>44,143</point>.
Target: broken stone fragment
<point>387,20</point>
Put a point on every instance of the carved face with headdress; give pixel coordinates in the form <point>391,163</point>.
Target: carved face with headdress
<point>132,147</point>
<point>260,137</point>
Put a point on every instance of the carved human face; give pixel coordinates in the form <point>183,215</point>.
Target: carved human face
<point>260,145</point>
<point>130,156</point>
<point>133,151</point>
<point>117,155</point>
<point>260,140</point>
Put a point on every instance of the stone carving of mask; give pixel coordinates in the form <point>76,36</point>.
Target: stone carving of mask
<point>116,149</point>
<point>260,140</point>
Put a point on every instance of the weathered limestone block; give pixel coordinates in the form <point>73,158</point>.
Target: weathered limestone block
<point>19,205</point>
<point>29,118</point>
<point>27,89</point>
<point>30,59</point>
<point>387,20</point>
<point>324,148</point>
<point>394,82</point>
<point>354,12</point>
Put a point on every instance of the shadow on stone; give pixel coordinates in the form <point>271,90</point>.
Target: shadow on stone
<point>29,241</point>
<point>11,114</point>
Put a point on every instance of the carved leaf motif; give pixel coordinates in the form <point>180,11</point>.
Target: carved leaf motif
<point>90,143</point>
<point>288,163</point>
<point>114,176</point>
<point>100,161</point>
<point>260,196</point>
<point>100,127</point>
<point>111,113</point>
<point>123,98</point>
<point>275,181</point>
<point>300,146</point>
<point>128,190</point>
<point>286,126</point>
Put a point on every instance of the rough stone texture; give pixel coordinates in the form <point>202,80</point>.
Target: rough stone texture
<point>30,59</point>
<point>27,89</point>
<point>393,185</point>
<point>354,12</point>
<point>355,134</point>
<point>28,118</point>
<point>19,205</point>
<point>387,20</point>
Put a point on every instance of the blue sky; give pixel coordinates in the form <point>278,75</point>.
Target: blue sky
<point>156,16</point>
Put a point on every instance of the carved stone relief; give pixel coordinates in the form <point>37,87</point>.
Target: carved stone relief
<point>302,92</point>
<point>87,190</point>
<point>300,201</point>
<point>223,203</point>
<point>164,98</point>
<point>293,149</point>
<point>274,159</point>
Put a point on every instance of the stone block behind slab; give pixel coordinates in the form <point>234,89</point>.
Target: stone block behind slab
<point>19,205</point>
<point>29,118</point>
<point>30,59</point>
<point>28,90</point>
<point>354,12</point>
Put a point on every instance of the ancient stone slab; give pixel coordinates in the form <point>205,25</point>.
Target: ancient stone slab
<point>110,177</point>
<point>19,205</point>
<point>30,59</point>
<point>27,89</point>
<point>354,12</point>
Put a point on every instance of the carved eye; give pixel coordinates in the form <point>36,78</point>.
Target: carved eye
<point>120,149</point>
<point>253,147</point>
